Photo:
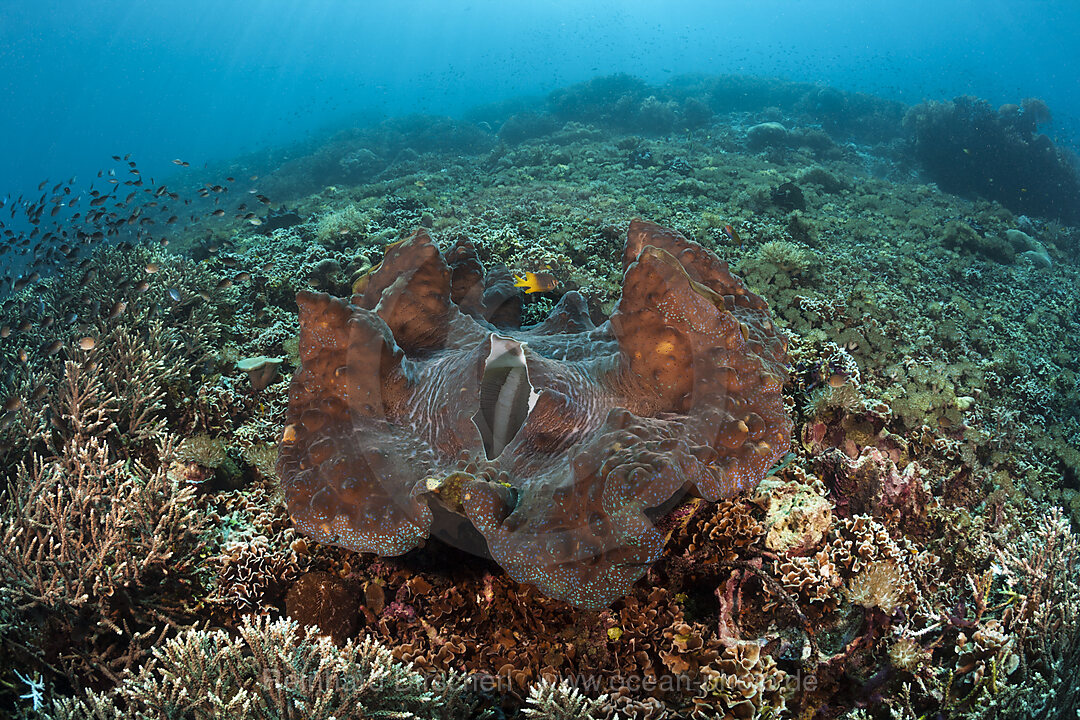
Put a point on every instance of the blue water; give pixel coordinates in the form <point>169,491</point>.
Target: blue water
<point>208,79</point>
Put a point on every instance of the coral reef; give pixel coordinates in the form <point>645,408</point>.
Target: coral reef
<point>967,147</point>
<point>913,554</point>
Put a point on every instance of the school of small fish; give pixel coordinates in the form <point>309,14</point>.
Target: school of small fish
<point>61,229</point>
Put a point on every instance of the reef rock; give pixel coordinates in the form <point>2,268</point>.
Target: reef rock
<point>556,449</point>
<point>767,134</point>
<point>796,515</point>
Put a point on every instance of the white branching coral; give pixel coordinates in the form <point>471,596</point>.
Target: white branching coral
<point>550,700</point>
<point>1041,574</point>
<point>274,669</point>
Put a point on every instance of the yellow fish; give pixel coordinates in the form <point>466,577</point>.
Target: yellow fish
<point>536,282</point>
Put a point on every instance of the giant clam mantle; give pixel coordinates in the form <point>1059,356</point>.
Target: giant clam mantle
<point>556,449</point>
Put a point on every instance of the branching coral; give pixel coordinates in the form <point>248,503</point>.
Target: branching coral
<point>559,701</point>
<point>142,364</point>
<point>1041,571</point>
<point>92,539</point>
<point>273,670</point>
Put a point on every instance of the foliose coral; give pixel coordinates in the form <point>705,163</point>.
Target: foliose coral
<point>556,448</point>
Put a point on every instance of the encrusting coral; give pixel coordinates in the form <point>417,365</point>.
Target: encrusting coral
<point>556,448</point>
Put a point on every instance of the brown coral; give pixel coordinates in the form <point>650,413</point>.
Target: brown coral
<point>745,683</point>
<point>881,570</point>
<point>554,448</point>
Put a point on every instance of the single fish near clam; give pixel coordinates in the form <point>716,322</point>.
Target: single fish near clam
<point>534,282</point>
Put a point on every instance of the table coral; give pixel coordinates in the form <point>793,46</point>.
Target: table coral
<point>554,448</point>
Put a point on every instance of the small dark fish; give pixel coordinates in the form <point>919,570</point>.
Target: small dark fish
<point>242,277</point>
<point>218,213</point>
<point>12,404</point>
<point>39,392</point>
<point>142,287</point>
<point>50,349</point>
<point>117,309</point>
<point>173,294</point>
<point>224,283</point>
